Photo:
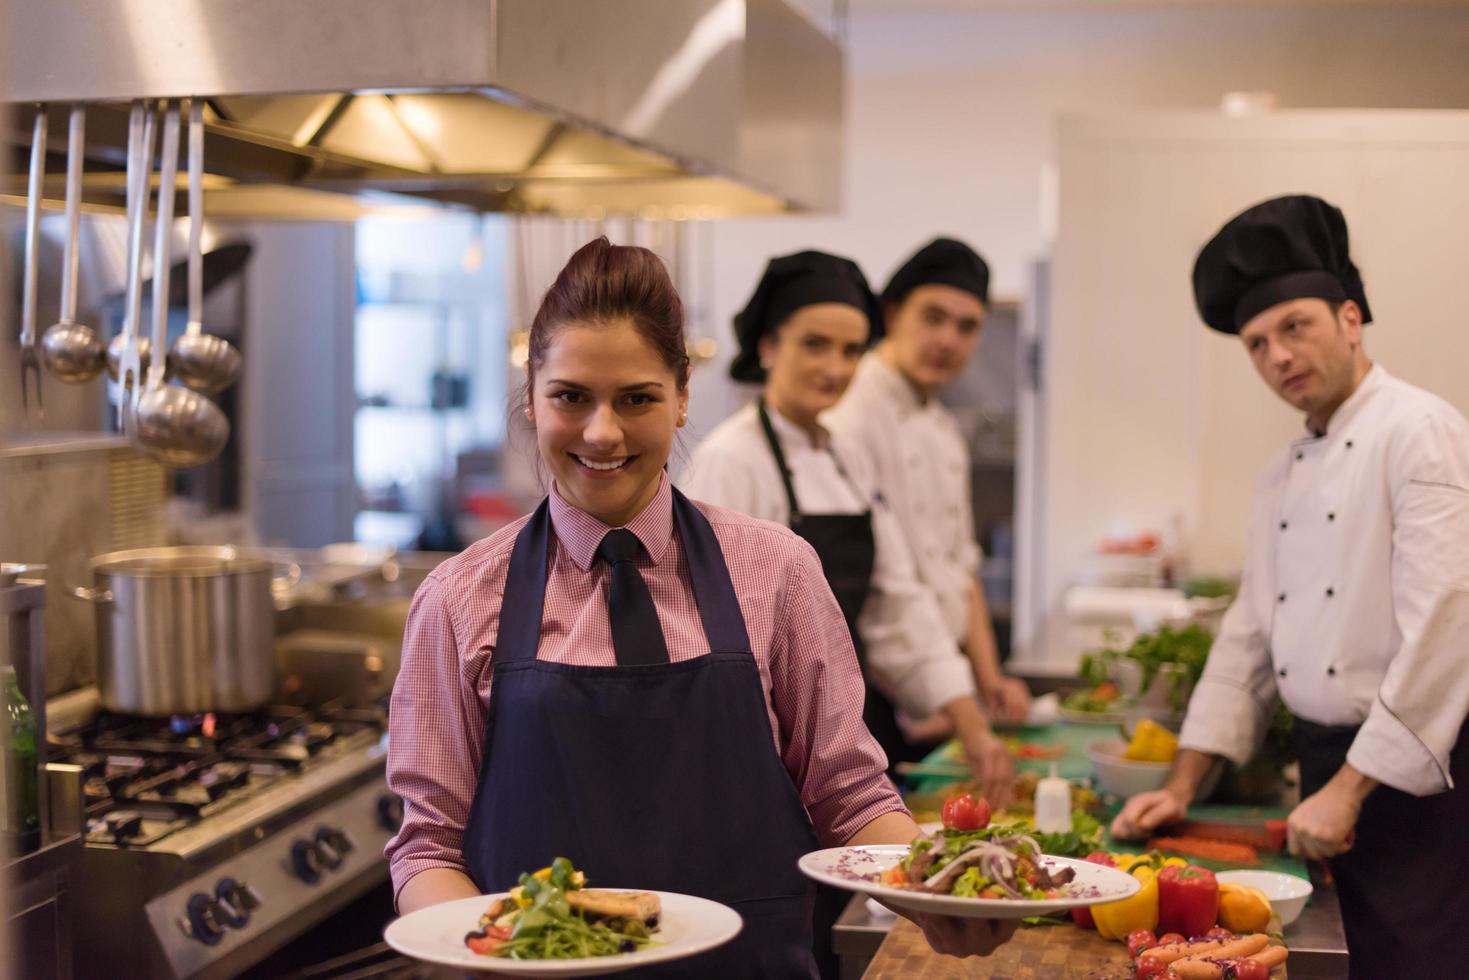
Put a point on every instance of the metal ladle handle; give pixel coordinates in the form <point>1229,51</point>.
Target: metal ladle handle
<point>75,147</point>
<point>167,177</point>
<point>196,217</point>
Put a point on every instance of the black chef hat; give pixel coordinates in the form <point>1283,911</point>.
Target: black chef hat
<point>942,262</point>
<point>789,283</point>
<point>1286,248</point>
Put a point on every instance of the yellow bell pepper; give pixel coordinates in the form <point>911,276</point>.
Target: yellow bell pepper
<point>1243,909</point>
<point>1151,742</point>
<point>1116,919</point>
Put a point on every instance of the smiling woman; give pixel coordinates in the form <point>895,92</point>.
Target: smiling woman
<point>627,653</point>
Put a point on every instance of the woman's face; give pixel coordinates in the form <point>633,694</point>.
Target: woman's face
<point>605,407</point>
<point>812,357</point>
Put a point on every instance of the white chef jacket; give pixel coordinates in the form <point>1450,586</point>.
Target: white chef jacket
<point>921,464</point>
<point>1354,604</point>
<point>908,650</point>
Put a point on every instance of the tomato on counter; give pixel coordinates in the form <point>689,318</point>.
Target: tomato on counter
<point>1188,900</point>
<point>1083,916</point>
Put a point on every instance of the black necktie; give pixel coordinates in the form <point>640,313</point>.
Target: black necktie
<point>636,636</point>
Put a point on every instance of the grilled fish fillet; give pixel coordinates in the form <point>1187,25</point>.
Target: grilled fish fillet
<point>599,904</point>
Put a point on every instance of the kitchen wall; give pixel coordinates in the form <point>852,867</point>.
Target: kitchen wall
<point>950,118</point>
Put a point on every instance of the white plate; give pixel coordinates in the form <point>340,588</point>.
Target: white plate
<point>858,868</point>
<point>435,934</point>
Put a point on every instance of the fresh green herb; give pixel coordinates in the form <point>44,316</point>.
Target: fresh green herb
<point>1084,837</point>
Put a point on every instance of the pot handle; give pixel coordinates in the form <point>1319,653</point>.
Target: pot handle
<point>98,596</point>
<point>287,577</point>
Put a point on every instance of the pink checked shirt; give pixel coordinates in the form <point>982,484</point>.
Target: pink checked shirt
<point>813,687</point>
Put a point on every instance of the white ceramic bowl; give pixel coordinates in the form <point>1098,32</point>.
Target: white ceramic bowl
<point>1126,778</point>
<point>1123,777</point>
<point>1287,893</point>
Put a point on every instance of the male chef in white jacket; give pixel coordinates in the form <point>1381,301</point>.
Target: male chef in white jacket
<point>934,308</point>
<point>1354,604</point>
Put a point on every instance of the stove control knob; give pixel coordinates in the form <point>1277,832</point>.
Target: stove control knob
<point>330,857</point>
<point>234,902</point>
<point>306,861</point>
<point>335,838</point>
<point>201,919</point>
<point>390,812</point>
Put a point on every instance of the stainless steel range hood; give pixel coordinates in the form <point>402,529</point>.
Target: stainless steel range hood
<point>666,108</point>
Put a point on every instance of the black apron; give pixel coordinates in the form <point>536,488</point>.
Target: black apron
<point>655,776</point>
<point>1402,886</point>
<point>845,545</point>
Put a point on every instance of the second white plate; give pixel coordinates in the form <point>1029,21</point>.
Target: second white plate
<point>859,869</point>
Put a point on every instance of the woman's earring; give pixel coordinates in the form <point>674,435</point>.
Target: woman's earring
<point>683,418</point>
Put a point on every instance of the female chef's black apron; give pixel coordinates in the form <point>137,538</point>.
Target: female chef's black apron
<point>846,547</point>
<point>1404,885</point>
<point>653,776</point>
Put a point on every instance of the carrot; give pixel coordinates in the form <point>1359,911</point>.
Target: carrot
<point>1196,970</point>
<point>1271,956</point>
<point>1201,847</point>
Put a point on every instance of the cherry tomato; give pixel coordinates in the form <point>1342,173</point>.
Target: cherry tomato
<point>1251,970</point>
<point>1139,940</point>
<point>1220,933</point>
<point>1102,857</point>
<point>965,811</point>
<point>1150,967</point>
<point>1168,938</point>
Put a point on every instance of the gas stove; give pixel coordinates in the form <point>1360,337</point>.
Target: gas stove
<point>212,840</point>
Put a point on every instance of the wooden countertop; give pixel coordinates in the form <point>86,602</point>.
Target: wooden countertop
<point>1043,953</point>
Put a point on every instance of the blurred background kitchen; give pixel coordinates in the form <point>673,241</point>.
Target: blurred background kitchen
<point>388,187</point>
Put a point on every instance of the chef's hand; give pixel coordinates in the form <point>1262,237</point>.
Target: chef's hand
<point>1146,812</point>
<point>1324,823</point>
<point>1008,700</point>
<point>953,936</point>
<point>993,768</point>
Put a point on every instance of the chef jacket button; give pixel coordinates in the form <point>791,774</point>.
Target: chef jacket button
<point>1280,598</point>
<point>1349,444</point>
<point>1330,592</point>
<point>1331,516</point>
<point>1282,525</point>
<point>1300,455</point>
<point>1331,671</point>
<point>1281,672</point>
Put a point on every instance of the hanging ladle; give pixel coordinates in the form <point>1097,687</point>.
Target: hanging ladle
<point>202,361</point>
<point>73,351</point>
<point>173,424</point>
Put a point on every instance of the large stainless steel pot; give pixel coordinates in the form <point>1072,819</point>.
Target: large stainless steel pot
<point>183,630</point>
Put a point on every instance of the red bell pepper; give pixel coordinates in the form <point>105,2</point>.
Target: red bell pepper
<point>1188,900</point>
<point>1083,916</point>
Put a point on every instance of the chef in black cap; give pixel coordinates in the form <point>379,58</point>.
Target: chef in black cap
<point>934,306</point>
<point>1354,605</point>
<point>801,337</point>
